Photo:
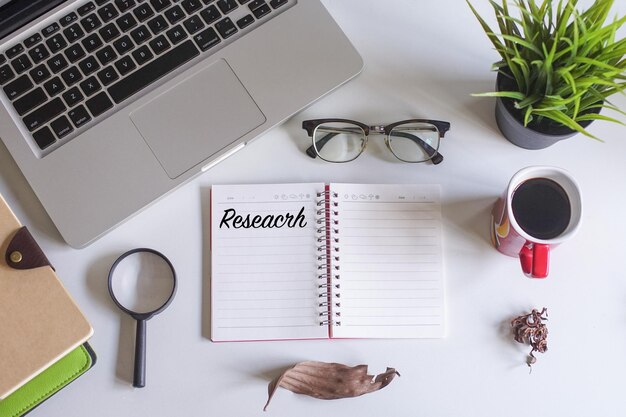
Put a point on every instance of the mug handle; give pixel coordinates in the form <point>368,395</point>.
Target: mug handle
<point>535,258</point>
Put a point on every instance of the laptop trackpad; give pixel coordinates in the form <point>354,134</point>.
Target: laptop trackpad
<point>197,118</point>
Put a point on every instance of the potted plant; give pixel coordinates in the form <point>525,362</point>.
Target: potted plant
<point>559,65</point>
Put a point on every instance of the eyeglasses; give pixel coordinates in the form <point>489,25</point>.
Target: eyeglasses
<point>341,140</point>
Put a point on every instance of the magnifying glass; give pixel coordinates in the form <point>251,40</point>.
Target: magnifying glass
<point>142,283</point>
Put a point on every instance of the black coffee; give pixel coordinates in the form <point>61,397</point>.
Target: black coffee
<point>541,208</point>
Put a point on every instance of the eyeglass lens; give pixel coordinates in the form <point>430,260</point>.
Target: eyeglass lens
<point>338,141</point>
<point>414,142</point>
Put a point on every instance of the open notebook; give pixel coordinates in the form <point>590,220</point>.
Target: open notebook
<point>307,261</point>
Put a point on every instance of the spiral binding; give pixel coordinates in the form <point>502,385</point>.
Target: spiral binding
<point>327,236</point>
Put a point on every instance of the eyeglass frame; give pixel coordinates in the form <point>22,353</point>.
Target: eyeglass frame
<point>436,158</point>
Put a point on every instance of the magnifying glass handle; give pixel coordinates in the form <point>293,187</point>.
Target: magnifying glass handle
<point>139,380</point>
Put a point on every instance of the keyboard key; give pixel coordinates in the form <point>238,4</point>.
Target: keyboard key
<point>18,87</point>
<point>191,6</point>
<point>141,34</point>
<point>73,33</point>
<point>261,11</point>
<point>226,27</point>
<point>242,2</point>
<point>57,63</point>
<point>142,55</point>
<point>109,32</point>
<point>40,73</point>
<point>227,6</point>
<point>71,76</point>
<point>88,65</point>
<point>73,96</point>
<point>175,14</point>
<point>277,3</point>
<point>15,51</point>
<point>3,59</point>
<point>107,75</point>
<point>160,5</point>
<point>157,25</point>
<point>143,12</point>
<point>152,71</point>
<point>99,104</point>
<point>6,74</point>
<point>159,44</point>
<point>255,4</point>
<point>86,8</point>
<point>30,101</point>
<point>124,5</point>
<point>68,19</point>
<point>79,116</point>
<point>50,29</point>
<point>123,45</point>
<point>90,86</point>
<point>193,24</point>
<point>75,52</point>
<point>106,55</point>
<point>125,65</point>
<point>54,86</point>
<point>206,39</point>
<point>61,127</point>
<point>126,22</point>
<point>56,43</point>
<point>21,64</point>
<point>247,20</point>
<point>29,42</point>
<point>176,34</point>
<point>108,13</point>
<point>91,23</point>
<point>39,53</point>
<point>44,114</point>
<point>92,42</point>
<point>44,138</point>
<point>210,14</point>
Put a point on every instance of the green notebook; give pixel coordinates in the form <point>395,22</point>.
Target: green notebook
<point>49,382</point>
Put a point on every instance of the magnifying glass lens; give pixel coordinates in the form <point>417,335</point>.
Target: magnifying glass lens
<point>143,282</point>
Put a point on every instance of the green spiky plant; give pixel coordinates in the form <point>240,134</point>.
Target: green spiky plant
<point>562,63</point>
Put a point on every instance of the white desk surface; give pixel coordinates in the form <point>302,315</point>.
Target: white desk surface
<point>422,59</point>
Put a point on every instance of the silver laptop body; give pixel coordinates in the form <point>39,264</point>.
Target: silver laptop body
<point>130,144</point>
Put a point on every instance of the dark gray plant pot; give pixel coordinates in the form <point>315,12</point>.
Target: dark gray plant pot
<point>535,135</point>
<point>516,133</point>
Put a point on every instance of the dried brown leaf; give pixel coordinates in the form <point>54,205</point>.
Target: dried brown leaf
<point>329,381</point>
<point>531,329</point>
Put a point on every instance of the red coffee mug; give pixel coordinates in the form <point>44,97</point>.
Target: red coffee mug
<point>546,211</point>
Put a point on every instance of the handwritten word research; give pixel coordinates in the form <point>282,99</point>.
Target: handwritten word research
<point>271,221</point>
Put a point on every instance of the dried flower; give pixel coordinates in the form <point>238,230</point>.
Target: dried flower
<point>530,329</point>
<point>329,381</point>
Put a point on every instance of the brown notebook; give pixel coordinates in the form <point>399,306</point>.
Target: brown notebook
<point>39,321</point>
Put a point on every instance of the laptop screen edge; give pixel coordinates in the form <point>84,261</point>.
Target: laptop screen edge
<point>15,14</point>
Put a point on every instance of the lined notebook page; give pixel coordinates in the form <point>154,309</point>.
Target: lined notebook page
<point>390,261</point>
<point>264,279</point>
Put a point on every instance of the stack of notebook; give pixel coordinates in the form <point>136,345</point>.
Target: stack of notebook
<point>43,333</point>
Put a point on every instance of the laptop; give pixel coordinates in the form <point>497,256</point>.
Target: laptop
<point>107,105</point>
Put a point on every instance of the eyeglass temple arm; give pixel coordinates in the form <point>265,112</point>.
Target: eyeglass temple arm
<point>435,156</point>
<point>320,144</point>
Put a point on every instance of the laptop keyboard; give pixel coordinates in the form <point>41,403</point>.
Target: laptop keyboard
<point>65,77</point>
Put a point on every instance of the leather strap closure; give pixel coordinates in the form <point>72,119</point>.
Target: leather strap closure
<point>24,253</point>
